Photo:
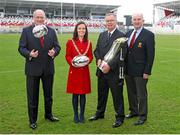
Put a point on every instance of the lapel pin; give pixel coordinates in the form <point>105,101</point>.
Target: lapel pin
<point>139,45</point>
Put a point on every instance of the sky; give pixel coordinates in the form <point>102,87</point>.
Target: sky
<point>136,6</point>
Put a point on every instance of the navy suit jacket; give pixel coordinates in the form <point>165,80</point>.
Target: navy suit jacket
<point>103,46</point>
<point>43,64</point>
<point>141,56</point>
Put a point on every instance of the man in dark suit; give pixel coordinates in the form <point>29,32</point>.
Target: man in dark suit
<point>39,65</point>
<point>108,77</point>
<point>140,57</point>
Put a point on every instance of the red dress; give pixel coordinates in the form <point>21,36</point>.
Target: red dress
<point>78,78</point>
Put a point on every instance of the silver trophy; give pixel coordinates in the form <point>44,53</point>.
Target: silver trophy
<point>114,50</point>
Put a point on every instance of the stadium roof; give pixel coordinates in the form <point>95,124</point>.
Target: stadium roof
<point>171,4</point>
<point>57,3</point>
<point>97,2</point>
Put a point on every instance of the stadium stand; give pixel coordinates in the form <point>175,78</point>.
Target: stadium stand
<point>169,22</point>
<point>67,24</point>
<point>17,14</point>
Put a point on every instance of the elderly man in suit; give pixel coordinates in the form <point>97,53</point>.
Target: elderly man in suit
<point>108,77</point>
<point>140,57</point>
<point>39,55</point>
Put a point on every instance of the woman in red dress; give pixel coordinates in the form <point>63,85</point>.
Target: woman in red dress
<point>79,83</point>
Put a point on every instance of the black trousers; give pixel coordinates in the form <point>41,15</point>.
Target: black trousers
<point>137,95</point>
<point>32,84</point>
<point>116,86</point>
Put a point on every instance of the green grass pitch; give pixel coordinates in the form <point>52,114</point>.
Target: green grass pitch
<point>163,90</point>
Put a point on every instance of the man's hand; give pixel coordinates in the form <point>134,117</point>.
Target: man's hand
<point>98,62</point>
<point>145,76</point>
<point>51,53</point>
<point>106,68</point>
<point>34,53</point>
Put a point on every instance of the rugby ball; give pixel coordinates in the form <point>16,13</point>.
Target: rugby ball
<point>39,31</point>
<point>80,61</point>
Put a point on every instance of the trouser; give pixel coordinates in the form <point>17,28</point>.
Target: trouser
<point>137,95</point>
<point>32,83</point>
<point>116,86</point>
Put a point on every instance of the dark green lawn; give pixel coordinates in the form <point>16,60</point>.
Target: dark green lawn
<point>164,94</point>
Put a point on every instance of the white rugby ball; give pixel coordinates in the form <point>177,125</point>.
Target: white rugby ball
<point>80,61</point>
<point>40,31</point>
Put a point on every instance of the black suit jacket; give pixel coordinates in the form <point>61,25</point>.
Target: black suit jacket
<point>43,63</point>
<point>141,56</point>
<point>103,46</point>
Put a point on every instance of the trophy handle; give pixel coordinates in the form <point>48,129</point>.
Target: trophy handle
<point>121,55</point>
<point>102,65</point>
<point>121,73</point>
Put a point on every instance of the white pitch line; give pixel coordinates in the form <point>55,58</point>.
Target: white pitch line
<point>10,71</point>
<point>169,61</point>
<point>15,71</point>
<point>174,49</point>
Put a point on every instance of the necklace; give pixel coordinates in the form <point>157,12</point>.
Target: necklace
<point>75,46</point>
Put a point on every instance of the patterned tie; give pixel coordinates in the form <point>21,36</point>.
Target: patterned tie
<point>42,41</point>
<point>132,39</point>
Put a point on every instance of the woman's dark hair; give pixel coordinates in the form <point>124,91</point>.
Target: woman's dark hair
<point>75,34</point>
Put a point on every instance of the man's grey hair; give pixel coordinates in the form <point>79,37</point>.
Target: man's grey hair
<point>138,14</point>
<point>113,14</point>
<point>39,10</point>
<point>109,14</point>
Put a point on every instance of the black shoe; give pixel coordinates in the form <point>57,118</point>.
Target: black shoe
<point>76,119</point>
<point>33,126</point>
<point>117,123</point>
<point>81,120</point>
<point>128,116</point>
<point>52,118</point>
<point>139,122</point>
<point>93,118</point>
